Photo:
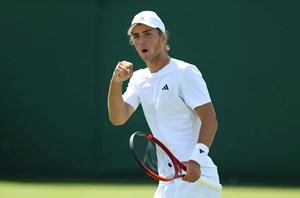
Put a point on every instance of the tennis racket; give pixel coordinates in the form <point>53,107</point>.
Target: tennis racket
<point>158,161</point>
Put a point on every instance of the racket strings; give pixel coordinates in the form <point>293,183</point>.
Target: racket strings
<point>165,165</point>
<point>153,157</point>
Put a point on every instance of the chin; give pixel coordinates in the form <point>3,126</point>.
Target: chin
<point>144,57</point>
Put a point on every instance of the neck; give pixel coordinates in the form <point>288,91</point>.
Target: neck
<point>158,63</point>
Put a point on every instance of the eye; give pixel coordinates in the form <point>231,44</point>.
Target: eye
<point>135,36</point>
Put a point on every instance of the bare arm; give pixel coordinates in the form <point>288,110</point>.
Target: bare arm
<point>209,124</point>
<point>207,133</point>
<point>119,111</point>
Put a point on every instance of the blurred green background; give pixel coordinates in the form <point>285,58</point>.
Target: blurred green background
<point>57,57</point>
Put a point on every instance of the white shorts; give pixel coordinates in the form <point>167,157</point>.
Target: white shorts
<point>181,189</point>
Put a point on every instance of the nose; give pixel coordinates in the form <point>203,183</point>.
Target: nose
<point>142,40</point>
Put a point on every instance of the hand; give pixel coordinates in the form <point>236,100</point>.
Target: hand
<point>193,171</point>
<point>123,71</point>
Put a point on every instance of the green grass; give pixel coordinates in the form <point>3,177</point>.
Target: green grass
<point>74,190</point>
<point>64,190</point>
<point>260,192</point>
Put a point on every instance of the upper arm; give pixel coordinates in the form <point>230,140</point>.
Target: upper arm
<point>206,111</point>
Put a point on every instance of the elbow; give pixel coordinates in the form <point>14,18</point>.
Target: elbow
<point>117,122</point>
<point>118,118</point>
<point>215,124</point>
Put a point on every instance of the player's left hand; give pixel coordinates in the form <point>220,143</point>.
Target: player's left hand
<point>193,171</point>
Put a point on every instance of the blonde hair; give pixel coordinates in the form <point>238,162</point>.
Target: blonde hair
<point>167,46</point>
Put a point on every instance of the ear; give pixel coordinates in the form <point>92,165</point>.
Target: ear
<point>165,37</point>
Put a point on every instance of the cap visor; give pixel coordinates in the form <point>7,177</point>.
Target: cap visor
<point>135,24</point>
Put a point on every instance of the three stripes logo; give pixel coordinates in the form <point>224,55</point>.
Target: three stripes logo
<point>165,87</point>
<point>201,151</point>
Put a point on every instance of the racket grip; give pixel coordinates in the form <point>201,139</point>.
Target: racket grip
<point>205,181</point>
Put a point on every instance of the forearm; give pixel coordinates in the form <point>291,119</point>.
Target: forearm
<point>118,110</point>
<point>209,124</point>
<point>206,136</point>
<point>208,131</point>
<point>116,105</point>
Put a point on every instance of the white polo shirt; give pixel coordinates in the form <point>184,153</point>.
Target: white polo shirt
<point>168,98</point>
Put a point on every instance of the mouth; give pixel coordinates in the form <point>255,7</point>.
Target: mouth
<point>144,50</point>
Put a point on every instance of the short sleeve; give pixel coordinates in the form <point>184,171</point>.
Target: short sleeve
<point>193,88</point>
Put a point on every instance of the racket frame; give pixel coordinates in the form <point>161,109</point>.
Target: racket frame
<point>149,172</point>
<point>176,163</point>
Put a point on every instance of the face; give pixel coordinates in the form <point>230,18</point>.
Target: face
<point>147,42</point>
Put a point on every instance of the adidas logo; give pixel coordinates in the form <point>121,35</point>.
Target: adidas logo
<point>201,151</point>
<point>141,19</point>
<point>165,87</point>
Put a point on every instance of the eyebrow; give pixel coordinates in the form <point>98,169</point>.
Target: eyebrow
<point>143,32</point>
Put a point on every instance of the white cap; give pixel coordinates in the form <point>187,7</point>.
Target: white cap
<point>148,18</point>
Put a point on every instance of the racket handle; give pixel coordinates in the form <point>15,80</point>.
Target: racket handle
<point>205,181</point>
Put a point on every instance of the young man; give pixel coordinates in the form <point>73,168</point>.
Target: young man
<point>176,104</point>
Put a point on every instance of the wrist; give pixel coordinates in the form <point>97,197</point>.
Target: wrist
<point>116,82</point>
<point>200,153</point>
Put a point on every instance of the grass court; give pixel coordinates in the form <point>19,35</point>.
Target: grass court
<point>10,189</point>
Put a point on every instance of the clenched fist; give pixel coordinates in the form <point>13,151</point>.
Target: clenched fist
<point>123,71</point>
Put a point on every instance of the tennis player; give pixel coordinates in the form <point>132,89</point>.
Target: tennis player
<point>176,104</point>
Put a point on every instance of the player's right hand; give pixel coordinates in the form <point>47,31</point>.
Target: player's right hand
<point>123,71</point>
